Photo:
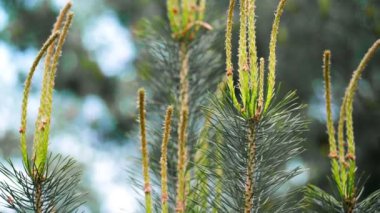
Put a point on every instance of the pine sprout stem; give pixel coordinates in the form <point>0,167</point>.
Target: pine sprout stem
<point>26,92</point>
<point>335,167</point>
<point>272,53</point>
<point>182,162</point>
<point>251,143</point>
<point>164,160</point>
<point>144,151</point>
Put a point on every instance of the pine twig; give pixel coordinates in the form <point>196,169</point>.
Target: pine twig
<point>249,185</point>
<point>41,138</point>
<point>272,53</point>
<point>25,98</point>
<point>163,161</point>
<point>182,162</point>
<point>144,151</point>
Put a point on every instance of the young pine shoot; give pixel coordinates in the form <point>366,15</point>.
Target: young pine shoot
<point>48,183</point>
<point>342,151</point>
<point>258,136</point>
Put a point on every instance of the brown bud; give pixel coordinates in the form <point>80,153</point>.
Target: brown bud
<point>41,127</point>
<point>229,72</point>
<point>10,200</point>
<point>345,164</point>
<point>333,155</point>
<point>242,109</point>
<point>350,156</point>
<point>180,207</point>
<point>147,188</point>
<point>175,11</point>
<point>246,67</point>
<point>165,197</point>
<point>258,112</point>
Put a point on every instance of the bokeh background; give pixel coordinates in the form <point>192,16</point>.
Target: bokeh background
<point>94,114</point>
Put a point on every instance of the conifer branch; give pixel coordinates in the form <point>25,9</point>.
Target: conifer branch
<point>47,184</point>
<point>273,144</point>
<point>163,161</point>
<point>272,53</point>
<point>186,63</point>
<point>55,190</point>
<point>344,171</point>
<point>349,97</point>
<point>144,151</point>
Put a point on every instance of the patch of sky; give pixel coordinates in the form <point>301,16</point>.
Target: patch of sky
<point>15,63</point>
<point>83,9</point>
<point>3,18</point>
<point>109,43</point>
<point>297,181</point>
<point>302,178</point>
<point>317,108</point>
<point>104,161</point>
<point>105,166</point>
<point>31,4</point>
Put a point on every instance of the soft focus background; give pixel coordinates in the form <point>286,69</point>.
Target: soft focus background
<point>94,104</point>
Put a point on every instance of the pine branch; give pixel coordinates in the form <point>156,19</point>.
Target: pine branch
<point>272,53</point>
<point>55,190</point>
<point>25,98</point>
<point>228,44</point>
<point>164,160</point>
<point>168,81</point>
<point>42,130</point>
<point>335,167</point>
<point>182,162</point>
<point>278,138</point>
<point>263,141</point>
<point>46,184</point>
<point>144,151</point>
<point>343,164</point>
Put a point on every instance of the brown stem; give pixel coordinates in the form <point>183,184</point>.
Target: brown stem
<point>250,169</point>
<point>350,205</point>
<point>38,195</point>
<point>182,127</point>
<point>184,72</point>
